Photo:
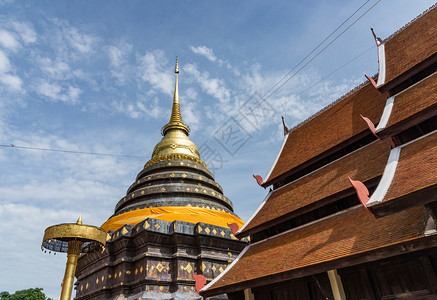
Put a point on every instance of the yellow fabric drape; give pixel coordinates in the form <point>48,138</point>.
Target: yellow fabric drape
<point>172,213</point>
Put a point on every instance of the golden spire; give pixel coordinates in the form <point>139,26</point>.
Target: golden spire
<point>176,118</point>
<point>175,144</point>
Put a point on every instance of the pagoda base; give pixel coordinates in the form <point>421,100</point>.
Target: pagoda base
<point>156,259</point>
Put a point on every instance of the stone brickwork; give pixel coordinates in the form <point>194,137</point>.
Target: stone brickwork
<point>155,259</point>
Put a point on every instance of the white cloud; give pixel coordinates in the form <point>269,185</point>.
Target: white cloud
<point>118,54</point>
<point>212,86</point>
<point>115,55</point>
<point>154,70</point>
<point>118,58</point>
<point>139,108</point>
<point>153,110</point>
<point>73,93</point>
<point>190,117</point>
<point>11,81</point>
<point>57,93</point>
<point>209,54</point>
<point>190,93</point>
<point>7,40</point>
<point>80,41</point>
<point>49,90</point>
<point>204,51</point>
<point>4,62</point>
<point>25,31</point>
<point>57,70</point>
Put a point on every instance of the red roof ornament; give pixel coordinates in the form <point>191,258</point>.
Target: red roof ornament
<point>362,192</point>
<point>234,227</point>
<point>372,81</point>
<point>371,126</point>
<point>200,282</point>
<point>259,179</point>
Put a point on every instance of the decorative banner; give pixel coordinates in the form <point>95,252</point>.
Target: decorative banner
<point>173,213</point>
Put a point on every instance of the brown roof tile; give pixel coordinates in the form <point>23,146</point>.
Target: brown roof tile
<point>413,101</point>
<point>363,164</point>
<point>343,235</point>
<point>416,169</point>
<point>329,128</point>
<point>410,46</point>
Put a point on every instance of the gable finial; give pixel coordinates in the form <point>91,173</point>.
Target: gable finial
<point>378,41</point>
<point>285,126</point>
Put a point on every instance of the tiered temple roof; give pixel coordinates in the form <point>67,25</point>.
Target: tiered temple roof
<point>322,246</point>
<point>348,195</point>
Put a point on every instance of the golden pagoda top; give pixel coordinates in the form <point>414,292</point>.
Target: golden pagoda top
<point>176,118</point>
<point>175,144</point>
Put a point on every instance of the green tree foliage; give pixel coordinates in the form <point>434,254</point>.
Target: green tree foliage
<point>29,294</point>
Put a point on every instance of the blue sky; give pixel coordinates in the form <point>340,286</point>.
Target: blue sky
<point>98,77</point>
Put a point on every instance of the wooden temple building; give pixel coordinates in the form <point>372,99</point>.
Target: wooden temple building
<point>353,206</point>
<point>171,223</point>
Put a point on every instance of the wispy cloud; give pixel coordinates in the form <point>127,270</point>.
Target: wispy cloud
<point>82,42</point>
<point>68,43</point>
<point>117,54</point>
<point>142,107</point>
<point>209,54</point>
<point>26,32</point>
<point>57,70</point>
<point>8,40</point>
<point>153,109</point>
<point>55,92</point>
<point>212,86</point>
<point>118,57</point>
<point>5,65</point>
<point>13,82</point>
<point>49,90</point>
<point>154,69</point>
<point>204,51</point>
